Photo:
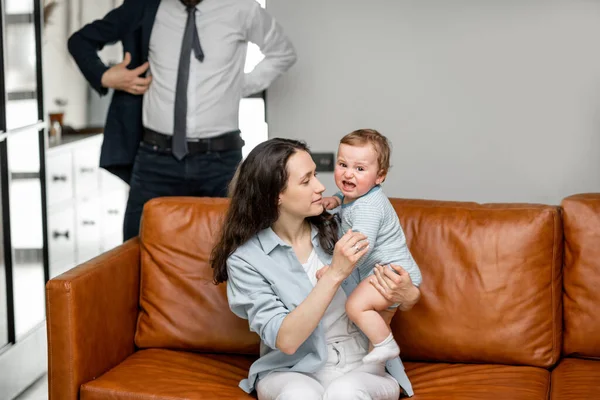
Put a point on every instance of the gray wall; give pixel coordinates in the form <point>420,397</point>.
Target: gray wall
<point>483,100</point>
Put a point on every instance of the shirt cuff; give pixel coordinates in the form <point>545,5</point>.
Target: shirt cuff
<point>271,330</point>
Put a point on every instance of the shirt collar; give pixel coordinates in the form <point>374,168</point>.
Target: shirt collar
<point>372,190</point>
<point>269,240</point>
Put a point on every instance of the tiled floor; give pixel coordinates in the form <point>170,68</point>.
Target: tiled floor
<point>37,391</point>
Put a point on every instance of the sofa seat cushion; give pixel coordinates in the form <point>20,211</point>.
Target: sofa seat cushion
<point>166,374</point>
<point>477,381</point>
<point>576,379</point>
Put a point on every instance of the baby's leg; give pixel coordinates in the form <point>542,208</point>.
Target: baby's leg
<point>363,308</point>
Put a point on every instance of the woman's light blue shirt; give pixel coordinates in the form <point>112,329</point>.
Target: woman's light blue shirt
<point>265,282</point>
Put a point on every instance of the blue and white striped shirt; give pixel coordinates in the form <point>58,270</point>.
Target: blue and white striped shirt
<point>374,216</point>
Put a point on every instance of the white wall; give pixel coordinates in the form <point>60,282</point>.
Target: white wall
<point>483,100</point>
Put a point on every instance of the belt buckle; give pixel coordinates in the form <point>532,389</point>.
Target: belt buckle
<point>200,144</point>
<point>204,145</point>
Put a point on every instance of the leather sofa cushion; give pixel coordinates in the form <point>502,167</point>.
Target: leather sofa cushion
<point>581,296</point>
<point>491,289</point>
<point>166,374</point>
<point>432,381</point>
<point>180,307</point>
<point>576,379</point>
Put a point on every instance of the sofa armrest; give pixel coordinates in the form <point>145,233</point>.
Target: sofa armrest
<point>91,314</point>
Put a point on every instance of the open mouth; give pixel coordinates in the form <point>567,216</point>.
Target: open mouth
<point>348,185</point>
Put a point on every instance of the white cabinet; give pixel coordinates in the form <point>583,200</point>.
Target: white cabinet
<point>61,240</point>
<point>86,204</point>
<point>87,223</point>
<point>59,177</point>
<point>86,171</point>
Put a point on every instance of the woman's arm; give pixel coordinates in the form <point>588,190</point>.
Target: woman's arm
<point>302,321</point>
<point>251,297</point>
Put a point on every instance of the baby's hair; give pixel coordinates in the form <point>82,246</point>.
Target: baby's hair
<point>380,143</point>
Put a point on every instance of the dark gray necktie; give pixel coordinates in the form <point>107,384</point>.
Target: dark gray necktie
<point>191,41</point>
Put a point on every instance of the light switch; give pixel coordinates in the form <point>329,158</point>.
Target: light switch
<point>324,161</point>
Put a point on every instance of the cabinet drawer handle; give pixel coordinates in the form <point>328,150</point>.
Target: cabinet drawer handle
<point>113,211</point>
<point>83,170</point>
<point>56,178</point>
<point>88,222</point>
<point>57,234</point>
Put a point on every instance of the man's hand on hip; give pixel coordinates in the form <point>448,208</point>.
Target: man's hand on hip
<point>119,77</point>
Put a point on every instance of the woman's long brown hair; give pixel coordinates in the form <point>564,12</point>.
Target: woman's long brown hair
<point>254,193</point>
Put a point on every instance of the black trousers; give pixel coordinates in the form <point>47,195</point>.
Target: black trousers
<point>156,173</point>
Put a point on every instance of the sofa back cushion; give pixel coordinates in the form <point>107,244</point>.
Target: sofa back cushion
<point>581,299</point>
<point>180,307</point>
<point>491,289</point>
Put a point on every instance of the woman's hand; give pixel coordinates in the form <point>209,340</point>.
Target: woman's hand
<point>348,250</point>
<point>302,320</point>
<point>396,287</point>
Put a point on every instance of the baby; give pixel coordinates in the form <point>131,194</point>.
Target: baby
<point>362,165</point>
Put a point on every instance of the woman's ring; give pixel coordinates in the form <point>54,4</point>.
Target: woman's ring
<point>355,247</point>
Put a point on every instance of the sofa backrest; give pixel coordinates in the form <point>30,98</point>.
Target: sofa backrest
<point>581,299</point>
<point>180,307</point>
<point>491,289</point>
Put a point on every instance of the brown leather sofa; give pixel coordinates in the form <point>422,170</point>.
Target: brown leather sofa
<point>503,315</point>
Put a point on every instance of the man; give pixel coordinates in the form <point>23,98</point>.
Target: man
<point>172,125</point>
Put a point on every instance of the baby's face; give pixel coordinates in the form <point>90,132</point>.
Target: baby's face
<point>356,170</point>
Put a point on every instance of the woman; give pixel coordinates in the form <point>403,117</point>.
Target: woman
<point>275,237</point>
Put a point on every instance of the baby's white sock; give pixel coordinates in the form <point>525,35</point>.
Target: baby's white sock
<point>383,351</point>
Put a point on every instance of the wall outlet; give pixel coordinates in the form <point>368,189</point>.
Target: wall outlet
<point>324,161</point>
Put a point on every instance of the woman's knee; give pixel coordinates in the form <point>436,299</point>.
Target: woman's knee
<point>345,390</point>
<point>289,386</point>
<point>362,386</point>
<point>301,394</point>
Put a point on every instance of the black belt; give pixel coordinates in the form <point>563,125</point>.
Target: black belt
<point>225,142</point>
